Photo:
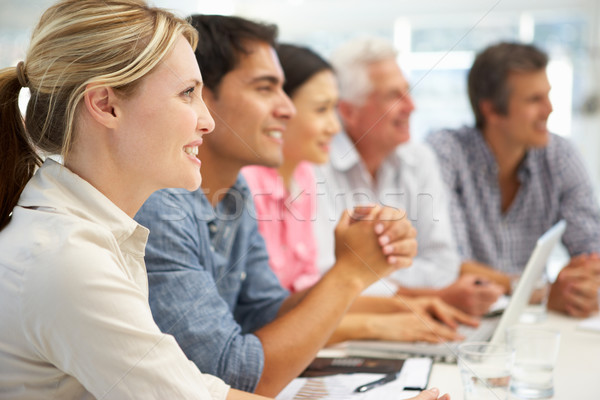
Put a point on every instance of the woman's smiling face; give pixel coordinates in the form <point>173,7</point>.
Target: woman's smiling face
<point>310,131</point>
<point>164,122</point>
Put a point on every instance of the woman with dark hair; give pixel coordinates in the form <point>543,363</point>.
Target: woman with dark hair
<point>285,200</point>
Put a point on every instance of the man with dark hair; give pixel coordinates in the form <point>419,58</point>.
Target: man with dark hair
<point>489,75</point>
<point>217,58</point>
<point>210,282</point>
<point>510,179</point>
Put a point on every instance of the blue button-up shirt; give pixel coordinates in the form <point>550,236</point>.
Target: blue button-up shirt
<point>210,281</point>
<point>554,185</point>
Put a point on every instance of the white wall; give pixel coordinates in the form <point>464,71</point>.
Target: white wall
<point>323,24</point>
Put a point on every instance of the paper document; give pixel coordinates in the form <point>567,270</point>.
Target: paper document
<point>414,374</point>
<point>338,387</point>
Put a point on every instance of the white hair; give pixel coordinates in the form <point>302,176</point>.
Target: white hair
<point>351,61</point>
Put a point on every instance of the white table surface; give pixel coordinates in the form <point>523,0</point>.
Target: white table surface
<point>577,373</point>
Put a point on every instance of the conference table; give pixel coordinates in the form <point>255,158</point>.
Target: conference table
<point>576,376</point>
<point>577,372</point>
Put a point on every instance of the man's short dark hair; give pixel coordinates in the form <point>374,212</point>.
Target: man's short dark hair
<point>488,78</point>
<point>222,40</point>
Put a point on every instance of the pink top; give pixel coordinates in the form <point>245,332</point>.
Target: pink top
<point>286,222</point>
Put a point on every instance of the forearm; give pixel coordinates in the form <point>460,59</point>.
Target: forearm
<point>485,271</point>
<point>378,305</point>
<point>292,301</point>
<point>354,326</point>
<point>417,292</point>
<point>292,341</point>
<point>446,294</point>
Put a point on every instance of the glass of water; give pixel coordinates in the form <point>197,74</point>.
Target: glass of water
<point>536,351</point>
<point>485,370</point>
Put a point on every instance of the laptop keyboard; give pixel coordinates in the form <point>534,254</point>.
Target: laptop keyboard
<point>481,333</point>
<point>440,352</point>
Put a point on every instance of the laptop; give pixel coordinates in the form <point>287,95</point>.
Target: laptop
<point>490,328</point>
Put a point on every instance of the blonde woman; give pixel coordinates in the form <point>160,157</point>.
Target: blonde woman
<point>115,90</point>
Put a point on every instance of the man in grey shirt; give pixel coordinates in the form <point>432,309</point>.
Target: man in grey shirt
<point>373,161</point>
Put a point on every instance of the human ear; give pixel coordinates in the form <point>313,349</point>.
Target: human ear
<point>100,103</point>
<point>347,113</point>
<point>488,110</point>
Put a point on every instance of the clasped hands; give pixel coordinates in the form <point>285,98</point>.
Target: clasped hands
<point>375,241</point>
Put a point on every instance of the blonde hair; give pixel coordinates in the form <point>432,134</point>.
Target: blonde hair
<point>76,43</point>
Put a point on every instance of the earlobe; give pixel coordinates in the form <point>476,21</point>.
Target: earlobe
<point>100,102</point>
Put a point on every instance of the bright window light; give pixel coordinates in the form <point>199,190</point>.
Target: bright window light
<point>560,75</point>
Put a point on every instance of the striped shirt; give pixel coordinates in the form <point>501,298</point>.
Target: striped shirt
<point>554,185</point>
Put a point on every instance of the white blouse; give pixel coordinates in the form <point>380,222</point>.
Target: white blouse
<point>74,316</point>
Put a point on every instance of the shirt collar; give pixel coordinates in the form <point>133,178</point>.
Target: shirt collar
<point>56,188</point>
<point>404,155</point>
<point>271,182</point>
<point>228,205</point>
<point>528,166</point>
<point>486,157</point>
<point>344,155</point>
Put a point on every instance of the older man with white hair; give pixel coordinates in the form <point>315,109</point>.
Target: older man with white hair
<point>374,161</point>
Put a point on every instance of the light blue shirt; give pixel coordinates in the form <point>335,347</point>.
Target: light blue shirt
<point>554,186</point>
<point>210,281</point>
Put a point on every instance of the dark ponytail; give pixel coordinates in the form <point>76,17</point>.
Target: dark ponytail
<point>19,159</point>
